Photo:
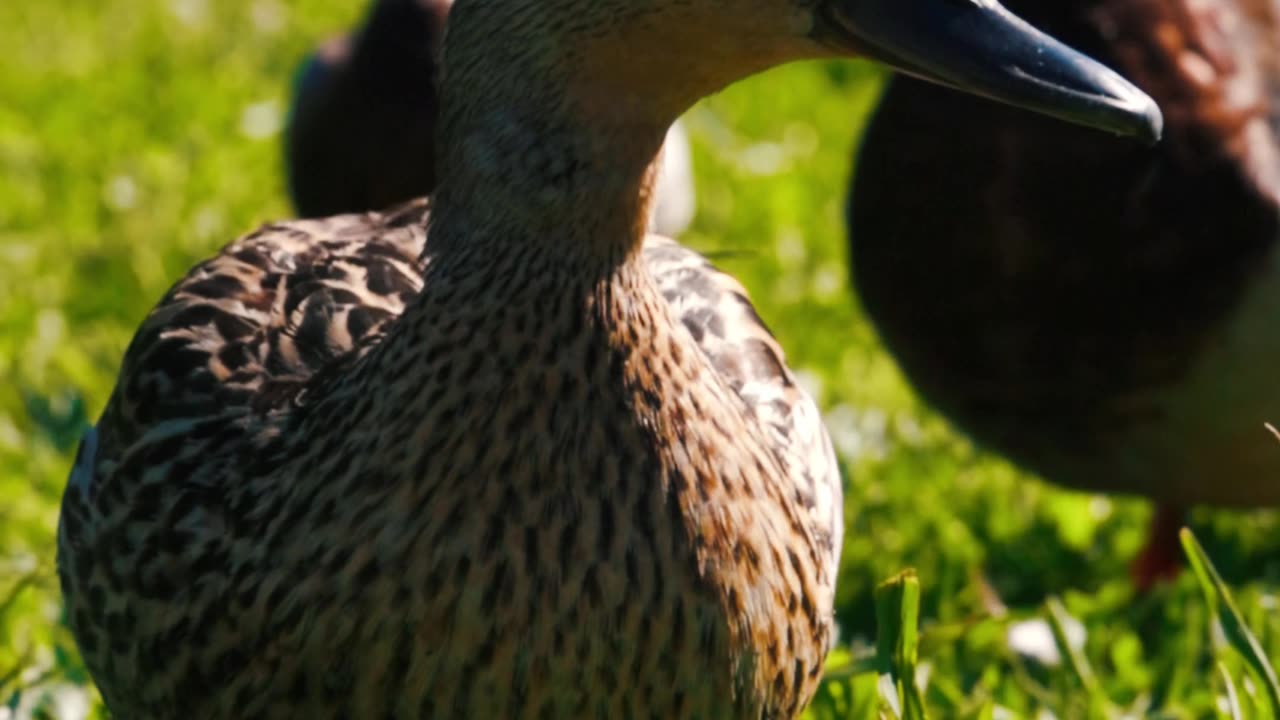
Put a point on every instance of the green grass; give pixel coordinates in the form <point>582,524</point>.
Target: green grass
<point>135,138</point>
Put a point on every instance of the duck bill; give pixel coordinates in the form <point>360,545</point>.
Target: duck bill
<point>978,47</point>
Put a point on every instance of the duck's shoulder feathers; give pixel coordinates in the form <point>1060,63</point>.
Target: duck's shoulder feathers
<point>244,331</point>
<point>715,309</point>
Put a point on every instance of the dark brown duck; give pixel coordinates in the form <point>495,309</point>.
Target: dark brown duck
<point>1100,312</point>
<point>360,133</point>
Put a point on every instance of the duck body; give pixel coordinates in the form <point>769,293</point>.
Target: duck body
<point>536,581</point>
<point>1101,313</point>
<point>511,457</point>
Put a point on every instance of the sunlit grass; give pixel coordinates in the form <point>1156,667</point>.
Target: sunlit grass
<point>136,138</point>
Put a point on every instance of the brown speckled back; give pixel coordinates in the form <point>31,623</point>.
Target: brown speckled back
<point>555,564</point>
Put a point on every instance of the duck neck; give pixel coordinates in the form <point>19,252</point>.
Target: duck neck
<point>520,179</point>
<point>555,167</point>
<point>553,114</point>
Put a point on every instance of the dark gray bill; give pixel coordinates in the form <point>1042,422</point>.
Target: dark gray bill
<point>979,47</point>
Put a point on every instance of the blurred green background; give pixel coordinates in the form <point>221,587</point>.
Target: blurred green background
<point>137,137</point>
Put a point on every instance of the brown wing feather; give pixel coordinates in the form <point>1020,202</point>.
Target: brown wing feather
<point>714,307</point>
<point>244,331</point>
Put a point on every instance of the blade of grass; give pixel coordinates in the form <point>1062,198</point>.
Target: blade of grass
<point>856,664</point>
<point>897,638</point>
<point>1077,663</point>
<point>1220,602</point>
<point>1233,698</point>
<point>22,583</point>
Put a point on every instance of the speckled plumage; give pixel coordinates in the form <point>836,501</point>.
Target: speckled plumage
<point>184,514</point>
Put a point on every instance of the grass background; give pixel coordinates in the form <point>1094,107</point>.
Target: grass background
<point>137,137</point>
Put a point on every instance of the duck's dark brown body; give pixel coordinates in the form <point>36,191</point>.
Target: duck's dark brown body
<point>1105,314</point>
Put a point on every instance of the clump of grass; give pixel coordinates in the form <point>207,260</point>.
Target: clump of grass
<point>897,644</point>
<point>1264,688</point>
<point>889,678</point>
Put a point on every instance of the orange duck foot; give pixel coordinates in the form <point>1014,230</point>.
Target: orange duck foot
<point>1161,560</point>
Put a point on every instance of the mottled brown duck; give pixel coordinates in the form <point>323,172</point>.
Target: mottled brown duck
<point>1099,312</point>
<point>516,458</point>
<point>361,130</point>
